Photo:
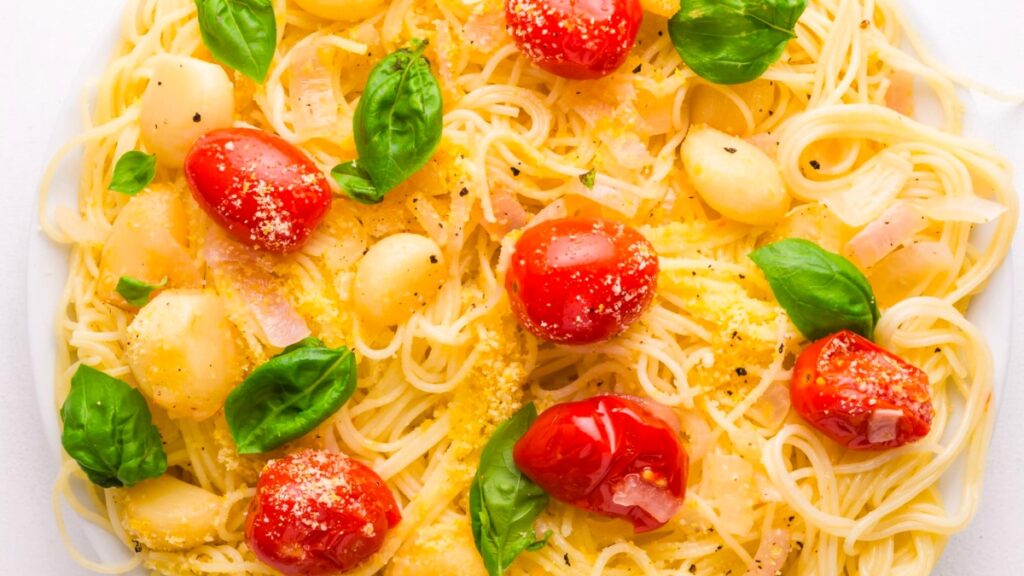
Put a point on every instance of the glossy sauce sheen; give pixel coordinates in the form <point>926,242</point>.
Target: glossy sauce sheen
<point>318,513</point>
<point>860,395</point>
<point>580,39</point>
<point>581,280</point>
<point>266,192</point>
<point>612,455</point>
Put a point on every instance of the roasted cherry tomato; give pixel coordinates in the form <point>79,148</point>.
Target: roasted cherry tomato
<point>317,512</point>
<point>264,191</point>
<point>617,456</point>
<point>575,38</point>
<point>581,280</point>
<point>860,395</point>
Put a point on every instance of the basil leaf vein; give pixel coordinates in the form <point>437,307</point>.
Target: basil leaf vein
<point>397,125</point>
<point>133,172</point>
<point>109,431</point>
<point>241,34</point>
<point>503,503</point>
<point>733,41</point>
<point>137,292</point>
<point>822,292</point>
<point>289,395</point>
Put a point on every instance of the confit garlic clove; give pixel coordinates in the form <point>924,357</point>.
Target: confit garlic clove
<point>185,99</point>
<point>734,177</point>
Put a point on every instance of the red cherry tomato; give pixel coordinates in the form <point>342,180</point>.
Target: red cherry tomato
<point>579,39</point>
<point>317,512</point>
<point>264,191</point>
<point>581,280</point>
<point>614,455</point>
<point>860,395</point>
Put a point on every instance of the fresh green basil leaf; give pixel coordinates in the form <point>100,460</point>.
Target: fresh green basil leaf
<point>109,431</point>
<point>503,503</point>
<point>133,172</point>
<point>397,125</point>
<point>290,395</point>
<point>822,292</point>
<point>241,34</point>
<point>137,292</point>
<point>733,41</point>
<point>589,179</point>
<point>356,183</point>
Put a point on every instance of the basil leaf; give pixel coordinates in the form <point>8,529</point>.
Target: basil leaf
<point>241,34</point>
<point>109,431</point>
<point>355,182</point>
<point>133,172</point>
<point>589,179</point>
<point>397,125</point>
<point>733,41</point>
<point>290,395</point>
<point>822,291</point>
<point>503,503</point>
<point>137,292</point>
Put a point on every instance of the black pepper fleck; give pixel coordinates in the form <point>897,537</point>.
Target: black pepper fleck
<point>730,149</point>
<point>197,118</point>
<point>815,164</point>
<point>638,68</point>
<point>515,171</point>
<point>741,371</point>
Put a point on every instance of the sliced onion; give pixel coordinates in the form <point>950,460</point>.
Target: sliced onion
<point>247,274</point>
<point>729,481</point>
<point>608,196</point>
<point>907,271</point>
<point>771,554</point>
<point>311,95</point>
<point>772,407</point>
<point>960,209</point>
<point>486,31</point>
<point>894,228</point>
<point>629,152</point>
<point>882,425</point>
<point>900,96</point>
<point>698,434</point>
<point>509,214</point>
<point>444,47</point>
<point>428,217</point>
<point>658,502</point>
<point>868,191</point>
<point>767,143</point>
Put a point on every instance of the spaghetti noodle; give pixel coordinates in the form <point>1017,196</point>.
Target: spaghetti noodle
<point>432,389</point>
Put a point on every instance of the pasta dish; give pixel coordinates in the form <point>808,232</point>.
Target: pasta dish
<point>487,287</point>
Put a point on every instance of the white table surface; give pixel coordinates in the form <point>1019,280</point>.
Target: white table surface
<point>47,44</point>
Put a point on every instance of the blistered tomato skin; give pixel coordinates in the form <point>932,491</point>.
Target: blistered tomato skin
<point>578,39</point>
<point>581,280</point>
<point>263,190</point>
<point>617,456</point>
<point>317,512</point>
<point>860,395</point>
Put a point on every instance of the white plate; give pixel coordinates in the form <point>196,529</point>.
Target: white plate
<point>984,43</point>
